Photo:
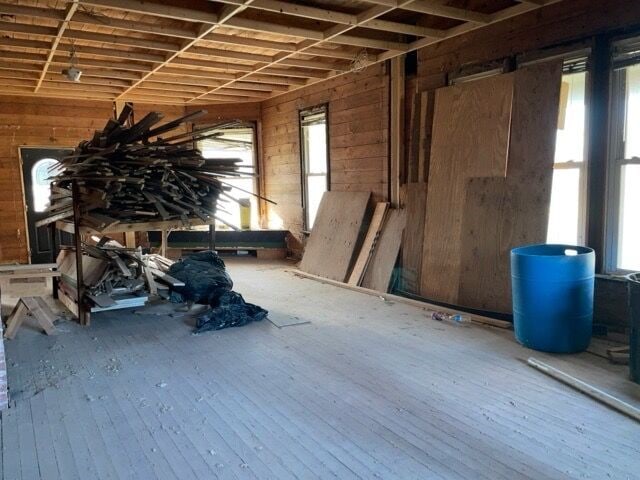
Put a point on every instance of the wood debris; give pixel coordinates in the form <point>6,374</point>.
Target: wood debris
<point>132,174</point>
<point>114,276</point>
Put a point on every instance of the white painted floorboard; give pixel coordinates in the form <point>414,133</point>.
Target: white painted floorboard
<point>366,390</point>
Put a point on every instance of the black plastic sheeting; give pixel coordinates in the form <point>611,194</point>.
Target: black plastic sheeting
<point>204,276</point>
<point>231,311</point>
<point>207,282</point>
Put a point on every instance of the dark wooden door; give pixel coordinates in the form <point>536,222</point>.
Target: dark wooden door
<point>36,164</point>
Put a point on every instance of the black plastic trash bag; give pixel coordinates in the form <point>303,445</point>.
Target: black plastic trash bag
<point>230,310</point>
<point>204,276</point>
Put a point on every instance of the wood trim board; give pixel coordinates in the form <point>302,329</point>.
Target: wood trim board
<point>369,244</point>
<point>378,273</point>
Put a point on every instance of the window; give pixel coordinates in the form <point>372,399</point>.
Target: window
<point>623,227</point>
<point>236,142</point>
<point>41,174</point>
<point>567,208</point>
<point>315,161</point>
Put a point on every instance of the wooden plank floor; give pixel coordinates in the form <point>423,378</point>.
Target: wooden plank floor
<point>367,390</point>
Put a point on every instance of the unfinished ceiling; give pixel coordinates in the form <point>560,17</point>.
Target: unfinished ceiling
<point>203,52</point>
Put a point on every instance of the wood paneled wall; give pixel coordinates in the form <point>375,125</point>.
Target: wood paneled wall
<point>37,122</point>
<point>358,141</point>
<point>31,122</point>
<point>560,23</point>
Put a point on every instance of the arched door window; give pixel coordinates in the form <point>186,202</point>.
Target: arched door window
<point>41,174</point>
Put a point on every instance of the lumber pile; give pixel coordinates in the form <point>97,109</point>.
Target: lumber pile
<point>114,276</point>
<point>129,174</point>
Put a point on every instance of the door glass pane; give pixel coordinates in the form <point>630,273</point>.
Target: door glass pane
<point>316,186</point>
<point>632,123</point>
<point>41,174</point>
<point>570,134</point>
<point>563,214</point>
<point>629,229</point>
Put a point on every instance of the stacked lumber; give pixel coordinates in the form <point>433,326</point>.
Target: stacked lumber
<point>129,174</point>
<point>114,276</point>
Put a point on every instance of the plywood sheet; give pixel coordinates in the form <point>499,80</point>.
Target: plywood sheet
<point>501,215</point>
<point>413,238</point>
<point>481,268</point>
<point>368,246</point>
<point>470,139</point>
<point>378,273</point>
<point>331,246</point>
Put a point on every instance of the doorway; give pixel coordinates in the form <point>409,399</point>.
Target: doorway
<point>38,165</point>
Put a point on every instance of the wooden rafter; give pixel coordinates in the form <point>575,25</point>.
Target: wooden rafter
<point>214,52</point>
<point>71,9</point>
<point>227,13</point>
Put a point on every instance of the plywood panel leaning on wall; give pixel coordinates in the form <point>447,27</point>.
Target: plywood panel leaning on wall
<point>378,273</point>
<point>514,211</point>
<point>337,228</point>
<point>470,139</point>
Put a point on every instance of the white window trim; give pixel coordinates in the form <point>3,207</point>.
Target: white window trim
<point>615,163</point>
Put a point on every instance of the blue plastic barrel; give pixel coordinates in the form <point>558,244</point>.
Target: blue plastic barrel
<point>552,289</point>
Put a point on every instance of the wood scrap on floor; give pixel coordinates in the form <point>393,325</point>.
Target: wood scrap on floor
<point>115,276</point>
<point>336,234</point>
<point>132,174</point>
<point>38,309</point>
<point>589,390</point>
<point>378,273</point>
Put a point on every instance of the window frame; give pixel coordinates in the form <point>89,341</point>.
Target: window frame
<point>583,166</point>
<point>304,175</point>
<point>255,160</point>
<point>615,161</point>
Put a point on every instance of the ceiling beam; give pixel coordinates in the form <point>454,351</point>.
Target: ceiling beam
<point>327,35</point>
<point>226,13</point>
<point>304,11</point>
<point>121,40</point>
<point>132,25</point>
<point>369,43</point>
<point>250,42</point>
<point>275,79</point>
<point>216,52</point>
<point>439,9</point>
<point>158,10</point>
<point>404,28</point>
<point>267,27</point>
<point>197,73</point>
<point>71,9</point>
<point>25,11</point>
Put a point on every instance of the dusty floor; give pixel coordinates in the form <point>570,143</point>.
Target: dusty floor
<point>367,389</point>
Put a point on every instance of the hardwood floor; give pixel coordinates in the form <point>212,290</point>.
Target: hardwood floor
<point>368,389</point>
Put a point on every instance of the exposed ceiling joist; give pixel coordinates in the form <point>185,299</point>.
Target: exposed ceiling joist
<point>226,14</point>
<point>71,8</point>
<point>212,51</point>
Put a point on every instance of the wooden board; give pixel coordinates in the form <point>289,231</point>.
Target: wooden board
<point>378,273</point>
<point>505,213</point>
<point>470,139</point>
<point>334,238</point>
<point>412,240</point>
<point>369,244</point>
